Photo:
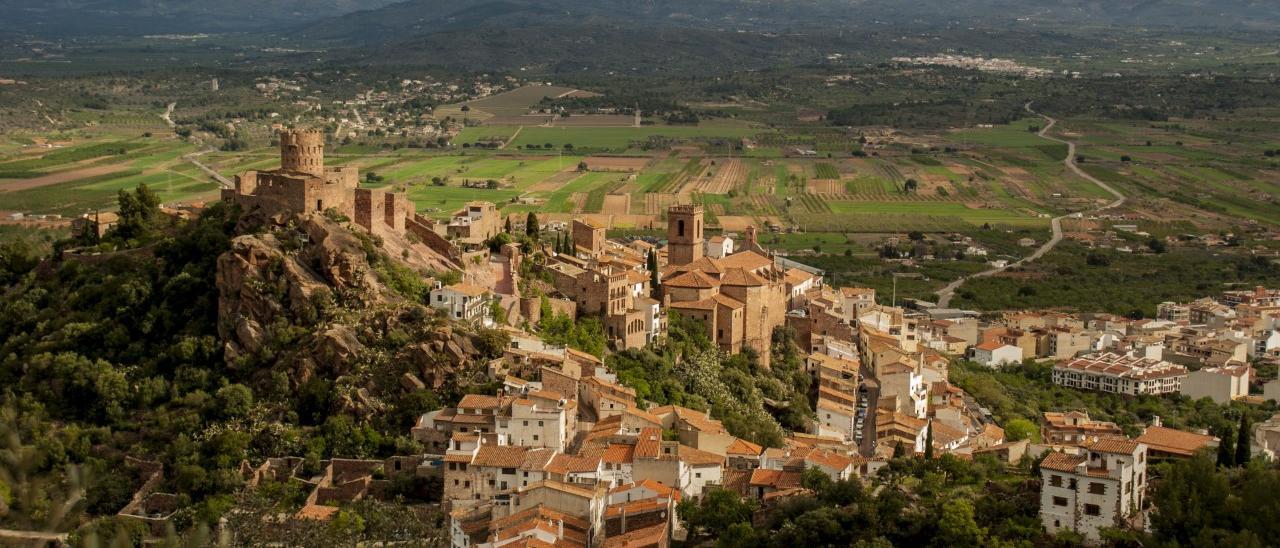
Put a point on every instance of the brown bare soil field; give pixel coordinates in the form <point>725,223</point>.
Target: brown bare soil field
<point>616,163</point>
<point>61,177</point>
<point>825,186</point>
<point>727,175</point>
<point>580,94</point>
<point>617,204</point>
<point>526,120</point>
<point>735,223</point>
<point>554,182</point>
<point>656,203</point>
<point>596,120</point>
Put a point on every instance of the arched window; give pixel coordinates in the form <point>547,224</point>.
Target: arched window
<point>680,228</point>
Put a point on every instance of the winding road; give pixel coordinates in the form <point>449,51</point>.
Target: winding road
<point>946,293</point>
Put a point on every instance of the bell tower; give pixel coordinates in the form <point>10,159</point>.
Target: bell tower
<point>684,234</point>
<point>302,151</point>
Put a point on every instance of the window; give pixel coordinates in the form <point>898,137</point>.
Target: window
<point>526,423</point>
<point>535,437</point>
<point>525,474</point>
<point>490,483</point>
<point>1092,510</point>
<point>539,423</point>
<point>1097,488</point>
<point>467,484</point>
<point>698,475</point>
<point>1059,501</point>
<point>509,471</point>
<point>1072,486</point>
<point>1055,480</point>
<point>453,466</point>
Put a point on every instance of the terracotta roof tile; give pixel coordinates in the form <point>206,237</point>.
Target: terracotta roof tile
<point>1116,446</point>
<point>1062,462</point>
<point>500,456</point>
<point>1177,442</point>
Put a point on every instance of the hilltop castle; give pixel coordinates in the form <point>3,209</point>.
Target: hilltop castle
<point>304,186</point>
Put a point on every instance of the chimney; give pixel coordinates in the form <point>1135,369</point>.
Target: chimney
<point>1155,421</point>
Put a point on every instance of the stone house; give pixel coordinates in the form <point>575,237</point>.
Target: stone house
<point>1102,487</point>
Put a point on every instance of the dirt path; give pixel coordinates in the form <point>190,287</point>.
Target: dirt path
<point>168,115</point>
<point>945,294</point>
<point>513,137</point>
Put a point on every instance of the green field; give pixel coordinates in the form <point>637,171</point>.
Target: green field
<point>621,138</point>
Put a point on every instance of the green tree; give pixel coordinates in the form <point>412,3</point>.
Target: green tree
<point>531,225</point>
<point>138,212</point>
<point>1226,451</point>
<point>1020,429</point>
<point>234,400</point>
<point>655,285</point>
<point>957,526</point>
<point>718,510</point>
<point>1191,498</point>
<point>1242,442</point>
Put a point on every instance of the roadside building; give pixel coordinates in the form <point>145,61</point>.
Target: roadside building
<point>1102,487</point>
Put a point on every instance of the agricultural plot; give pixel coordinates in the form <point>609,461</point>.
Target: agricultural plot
<point>620,138</point>
<point>1002,217</point>
<point>516,102</point>
<point>724,176</point>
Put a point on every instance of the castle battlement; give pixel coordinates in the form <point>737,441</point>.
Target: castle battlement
<point>303,186</point>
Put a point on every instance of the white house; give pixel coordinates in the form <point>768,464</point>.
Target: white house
<point>1221,384</point>
<point>995,354</point>
<point>462,301</point>
<point>835,418</point>
<point>719,247</point>
<point>1102,487</point>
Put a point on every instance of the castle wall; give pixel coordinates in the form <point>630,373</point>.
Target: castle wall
<point>370,206</point>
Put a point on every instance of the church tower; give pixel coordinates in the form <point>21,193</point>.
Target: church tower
<point>302,151</point>
<point>684,234</point>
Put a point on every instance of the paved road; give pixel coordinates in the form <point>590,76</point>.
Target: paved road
<point>945,294</point>
<point>194,159</point>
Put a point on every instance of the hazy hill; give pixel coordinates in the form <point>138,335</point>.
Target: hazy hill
<point>383,20</point>
<point>77,17</point>
<point>432,16</point>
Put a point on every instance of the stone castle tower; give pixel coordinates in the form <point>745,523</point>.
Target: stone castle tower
<point>684,234</point>
<point>302,151</point>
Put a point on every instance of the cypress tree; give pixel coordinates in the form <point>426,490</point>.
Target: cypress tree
<point>654,290</point>
<point>928,442</point>
<point>531,225</point>
<point>1226,454</point>
<point>1242,442</point>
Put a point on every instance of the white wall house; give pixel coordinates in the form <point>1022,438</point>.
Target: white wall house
<point>1221,384</point>
<point>995,354</point>
<point>462,301</point>
<point>1102,487</point>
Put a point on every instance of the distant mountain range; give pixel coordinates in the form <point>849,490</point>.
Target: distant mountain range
<point>383,20</point>
<point>418,17</point>
<point>137,17</point>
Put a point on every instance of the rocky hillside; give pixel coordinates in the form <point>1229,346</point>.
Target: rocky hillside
<point>314,297</point>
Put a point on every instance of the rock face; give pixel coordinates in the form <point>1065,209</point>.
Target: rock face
<point>306,298</point>
<point>290,274</point>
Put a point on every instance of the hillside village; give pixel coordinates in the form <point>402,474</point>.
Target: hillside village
<point>562,451</point>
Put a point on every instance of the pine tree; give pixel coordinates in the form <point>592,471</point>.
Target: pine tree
<point>928,443</point>
<point>899,450</point>
<point>506,226</point>
<point>1226,454</point>
<point>1242,442</point>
